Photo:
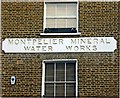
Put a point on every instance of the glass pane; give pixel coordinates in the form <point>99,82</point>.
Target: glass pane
<point>70,72</point>
<point>71,9</point>
<point>49,72</point>
<point>61,9</point>
<point>61,23</point>
<point>49,89</point>
<point>50,23</point>
<point>71,23</point>
<point>50,9</point>
<point>60,89</point>
<point>60,71</point>
<point>70,90</point>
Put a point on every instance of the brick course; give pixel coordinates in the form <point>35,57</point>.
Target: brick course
<point>98,73</point>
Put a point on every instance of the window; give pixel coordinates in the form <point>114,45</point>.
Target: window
<point>60,17</point>
<point>59,78</point>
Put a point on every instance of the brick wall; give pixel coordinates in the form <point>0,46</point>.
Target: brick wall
<point>98,73</point>
<point>21,19</point>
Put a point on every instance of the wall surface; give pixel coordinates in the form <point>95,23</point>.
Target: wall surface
<point>98,73</point>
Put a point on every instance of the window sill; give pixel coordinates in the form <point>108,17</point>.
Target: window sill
<point>60,33</point>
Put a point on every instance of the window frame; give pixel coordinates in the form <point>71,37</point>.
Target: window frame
<point>58,60</point>
<point>58,1</point>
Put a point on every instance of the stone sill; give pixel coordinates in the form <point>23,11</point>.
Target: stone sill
<point>60,34</point>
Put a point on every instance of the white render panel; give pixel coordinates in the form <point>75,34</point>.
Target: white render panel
<point>54,45</point>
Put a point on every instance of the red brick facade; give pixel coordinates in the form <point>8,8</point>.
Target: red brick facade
<point>98,73</point>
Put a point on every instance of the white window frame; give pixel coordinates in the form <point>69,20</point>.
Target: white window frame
<point>55,60</point>
<point>44,17</point>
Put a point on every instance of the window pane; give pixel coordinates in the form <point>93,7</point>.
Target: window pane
<point>49,89</point>
<point>50,23</point>
<point>49,72</point>
<point>60,71</point>
<point>70,90</point>
<point>50,9</point>
<point>71,9</point>
<point>61,15</point>
<point>61,23</point>
<point>70,72</point>
<point>71,23</point>
<point>61,9</point>
<point>60,89</point>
